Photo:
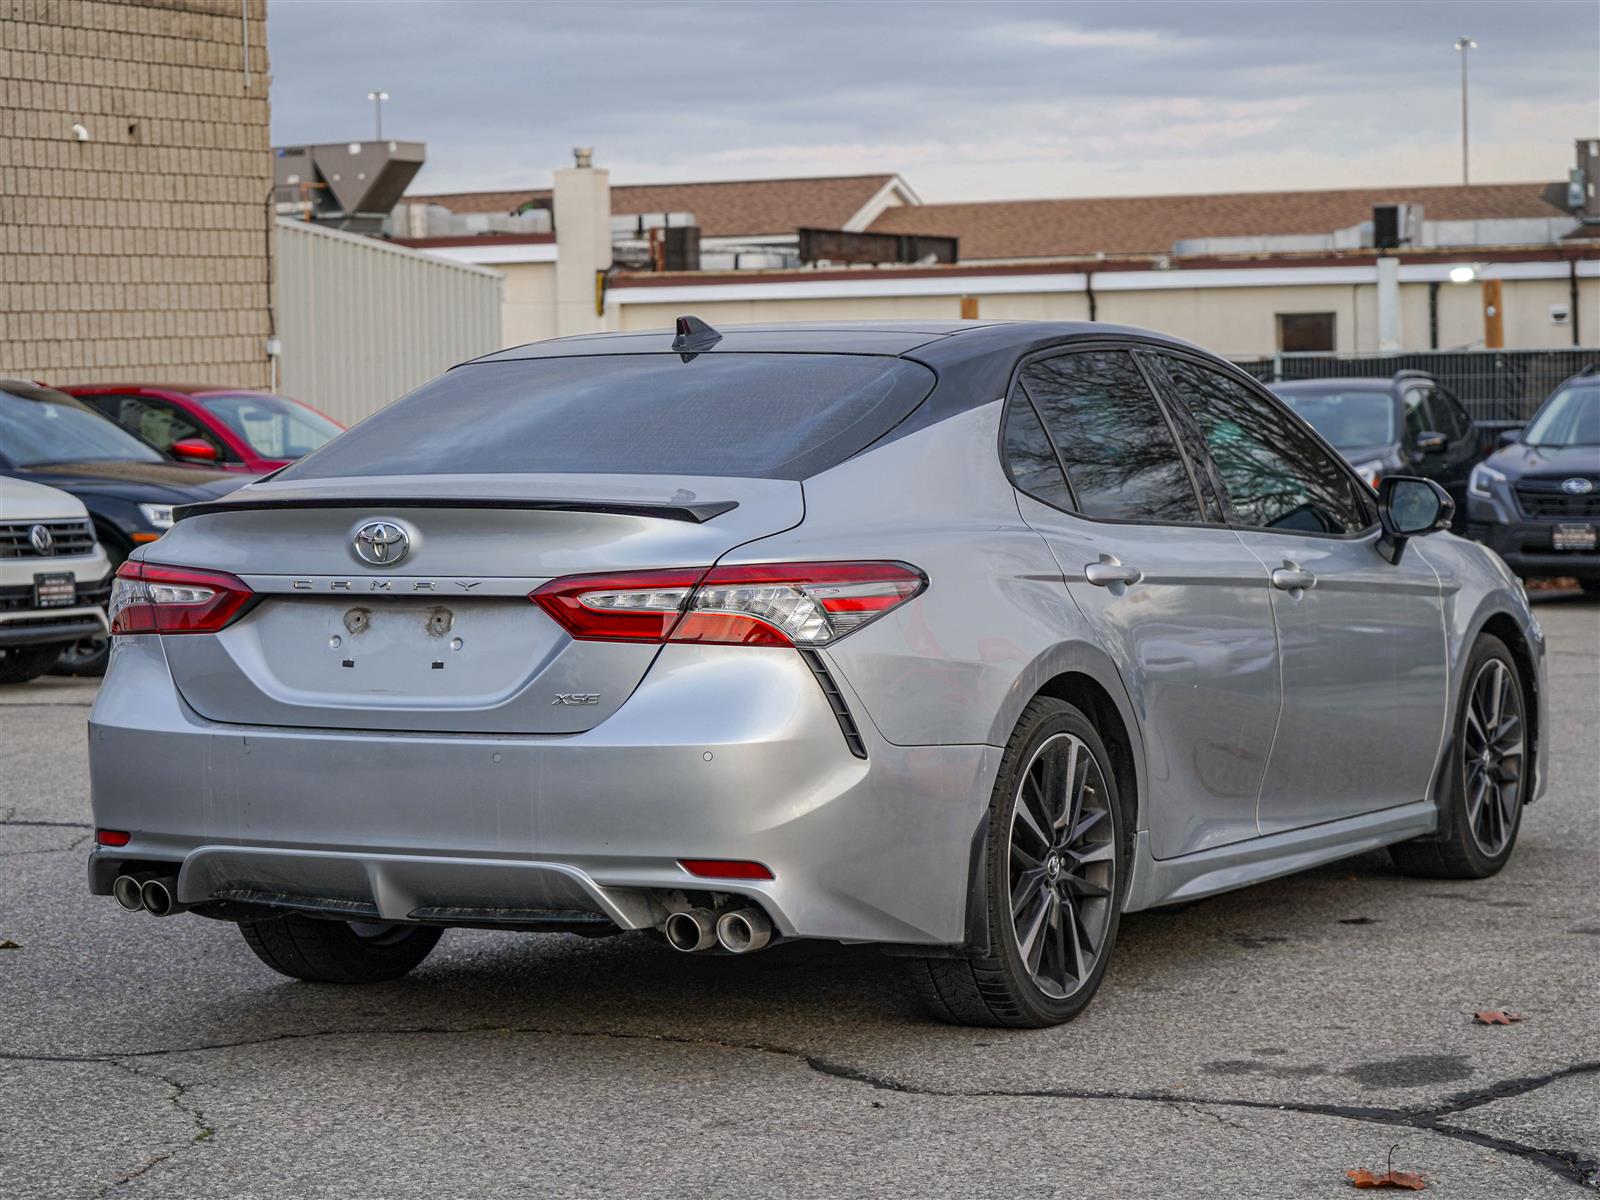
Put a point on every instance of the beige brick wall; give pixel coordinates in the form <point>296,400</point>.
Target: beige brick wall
<point>142,253</point>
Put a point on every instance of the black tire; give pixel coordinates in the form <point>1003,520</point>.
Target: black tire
<point>18,664</point>
<point>321,951</point>
<point>1463,847</point>
<point>1002,988</point>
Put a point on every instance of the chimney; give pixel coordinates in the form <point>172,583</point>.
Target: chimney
<point>582,201</point>
<point>1583,186</point>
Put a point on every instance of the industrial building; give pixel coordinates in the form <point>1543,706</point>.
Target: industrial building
<point>1248,274</point>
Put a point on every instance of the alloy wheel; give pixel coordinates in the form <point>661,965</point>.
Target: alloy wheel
<point>1492,756</point>
<point>1061,865</point>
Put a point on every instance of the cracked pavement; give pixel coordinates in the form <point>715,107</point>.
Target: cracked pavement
<point>1262,1042</point>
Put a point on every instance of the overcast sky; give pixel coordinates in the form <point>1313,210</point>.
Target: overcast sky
<point>967,100</point>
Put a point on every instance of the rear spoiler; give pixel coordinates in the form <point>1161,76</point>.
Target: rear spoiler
<point>696,514</point>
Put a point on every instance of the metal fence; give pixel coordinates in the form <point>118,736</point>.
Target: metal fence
<point>363,321</point>
<point>1497,386</point>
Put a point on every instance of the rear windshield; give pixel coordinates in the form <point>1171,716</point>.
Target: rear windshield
<point>272,426</point>
<point>776,416</point>
<point>1348,419</point>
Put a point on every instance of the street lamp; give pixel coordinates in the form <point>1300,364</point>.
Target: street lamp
<point>1463,45</point>
<point>377,99</point>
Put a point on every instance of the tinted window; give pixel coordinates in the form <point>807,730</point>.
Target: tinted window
<point>272,426</point>
<point>1030,455</point>
<point>780,416</point>
<point>1118,449</point>
<point>39,426</point>
<point>159,423</point>
<point>1418,419</point>
<point>1275,476</point>
<point>1457,424</point>
<point>1569,418</point>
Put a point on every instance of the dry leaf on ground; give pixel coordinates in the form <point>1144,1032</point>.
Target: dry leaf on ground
<point>1497,1016</point>
<point>1406,1180</point>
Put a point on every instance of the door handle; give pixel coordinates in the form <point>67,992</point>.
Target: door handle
<point>1106,572</point>
<point>1292,578</point>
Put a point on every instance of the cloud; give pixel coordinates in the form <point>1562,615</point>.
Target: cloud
<point>969,100</point>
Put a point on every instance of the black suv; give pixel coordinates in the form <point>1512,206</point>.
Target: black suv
<point>1536,502</point>
<point>1408,424</point>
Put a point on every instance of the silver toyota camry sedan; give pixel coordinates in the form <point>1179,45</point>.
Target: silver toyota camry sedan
<point>961,639</point>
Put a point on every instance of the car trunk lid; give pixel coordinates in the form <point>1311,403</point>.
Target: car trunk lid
<point>441,637</point>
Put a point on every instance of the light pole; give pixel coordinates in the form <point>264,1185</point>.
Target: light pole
<point>1463,46</point>
<point>377,99</point>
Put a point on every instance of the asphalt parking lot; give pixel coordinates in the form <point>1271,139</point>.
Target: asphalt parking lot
<point>1260,1043</point>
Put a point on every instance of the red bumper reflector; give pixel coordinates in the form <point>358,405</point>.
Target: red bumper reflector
<point>112,837</point>
<point>724,868</point>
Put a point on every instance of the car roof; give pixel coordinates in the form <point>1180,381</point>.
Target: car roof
<point>178,389</point>
<point>1382,383</point>
<point>955,340</point>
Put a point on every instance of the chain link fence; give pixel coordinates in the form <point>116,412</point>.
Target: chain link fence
<point>1498,387</point>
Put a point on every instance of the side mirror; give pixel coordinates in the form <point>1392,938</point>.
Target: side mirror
<point>1409,507</point>
<point>193,450</point>
<point>1509,437</point>
<point>1430,442</point>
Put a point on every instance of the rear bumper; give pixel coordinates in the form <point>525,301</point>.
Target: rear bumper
<point>722,752</point>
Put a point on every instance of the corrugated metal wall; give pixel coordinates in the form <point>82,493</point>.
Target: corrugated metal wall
<point>364,322</point>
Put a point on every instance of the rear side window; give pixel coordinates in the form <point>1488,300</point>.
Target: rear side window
<point>1121,459</point>
<point>776,416</point>
<point>1030,456</point>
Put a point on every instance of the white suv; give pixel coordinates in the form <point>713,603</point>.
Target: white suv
<point>54,578</point>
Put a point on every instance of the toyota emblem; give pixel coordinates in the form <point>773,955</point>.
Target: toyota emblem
<point>382,543</point>
<point>1577,487</point>
<point>42,540</point>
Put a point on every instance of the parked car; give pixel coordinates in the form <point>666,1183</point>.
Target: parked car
<point>1536,501</point>
<point>126,484</point>
<point>961,639</point>
<point>54,578</point>
<point>233,428</point>
<point>1409,424</point>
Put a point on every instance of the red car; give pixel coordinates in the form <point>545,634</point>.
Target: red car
<point>233,428</point>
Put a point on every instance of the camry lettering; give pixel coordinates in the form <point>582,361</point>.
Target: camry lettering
<point>382,585</point>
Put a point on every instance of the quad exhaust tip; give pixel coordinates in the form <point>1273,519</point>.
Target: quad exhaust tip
<point>692,930</point>
<point>148,892</point>
<point>126,890</point>
<point>743,930</point>
<point>736,930</point>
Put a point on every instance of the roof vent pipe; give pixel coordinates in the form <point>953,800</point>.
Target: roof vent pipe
<point>583,156</point>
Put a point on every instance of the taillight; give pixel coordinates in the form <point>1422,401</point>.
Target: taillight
<point>641,606</point>
<point>766,604</point>
<point>146,598</point>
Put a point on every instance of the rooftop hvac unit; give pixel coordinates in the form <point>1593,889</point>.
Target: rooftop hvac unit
<point>848,246</point>
<point>1396,225</point>
<point>349,185</point>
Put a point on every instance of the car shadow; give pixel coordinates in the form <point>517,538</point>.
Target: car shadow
<point>792,993</point>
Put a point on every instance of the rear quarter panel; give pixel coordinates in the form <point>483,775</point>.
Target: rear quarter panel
<point>960,662</point>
